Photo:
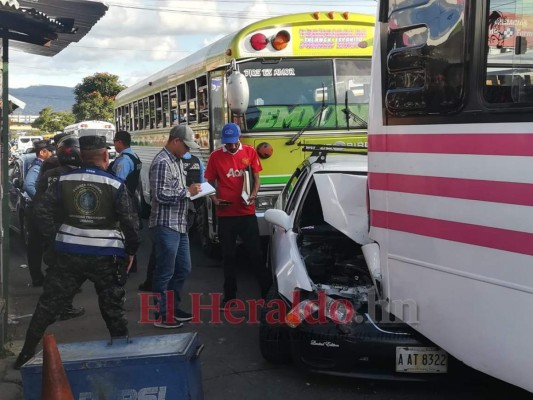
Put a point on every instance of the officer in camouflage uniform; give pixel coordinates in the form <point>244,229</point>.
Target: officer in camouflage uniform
<point>97,240</point>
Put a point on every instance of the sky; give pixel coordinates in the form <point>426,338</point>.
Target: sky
<point>137,38</point>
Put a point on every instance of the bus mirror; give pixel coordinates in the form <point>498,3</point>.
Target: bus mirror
<point>238,92</point>
<point>520,46</point>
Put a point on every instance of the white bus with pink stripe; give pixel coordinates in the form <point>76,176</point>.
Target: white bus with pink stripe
<point>451,175</point>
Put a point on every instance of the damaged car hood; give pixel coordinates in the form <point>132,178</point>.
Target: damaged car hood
<point>344,203</point>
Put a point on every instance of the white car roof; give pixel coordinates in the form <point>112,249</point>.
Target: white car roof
<point>340,162</point>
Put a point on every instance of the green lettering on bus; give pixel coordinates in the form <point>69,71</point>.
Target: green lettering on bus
<point>279,117</point>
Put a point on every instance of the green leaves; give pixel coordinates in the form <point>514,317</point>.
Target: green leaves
<point>51,122</point>
<point>95,97</point>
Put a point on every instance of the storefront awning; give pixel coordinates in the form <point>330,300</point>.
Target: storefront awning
<point>46,27</point>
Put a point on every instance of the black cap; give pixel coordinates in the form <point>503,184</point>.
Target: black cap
<point>93,143</point>
<point>61,136</point>
<point>42,144</point>
<point>123,136</point>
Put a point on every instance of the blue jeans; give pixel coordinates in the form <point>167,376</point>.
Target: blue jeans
<point>172,266</point>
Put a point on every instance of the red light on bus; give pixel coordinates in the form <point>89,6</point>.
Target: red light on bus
<point>281,40</point>
<point>345,15</point>
<point>316,15</point>
<point>363,45</point>
<point>331,15</point>
<point>259,41</point>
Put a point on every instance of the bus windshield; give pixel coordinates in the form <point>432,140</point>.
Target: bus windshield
<point>307,94</point>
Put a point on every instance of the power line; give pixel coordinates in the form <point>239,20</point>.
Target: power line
<point>228,13</point>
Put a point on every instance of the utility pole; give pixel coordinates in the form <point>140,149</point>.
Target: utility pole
<point>4,216</point>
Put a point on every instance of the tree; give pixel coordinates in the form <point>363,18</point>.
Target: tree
<point>51,122</point>
<point>95,97</point>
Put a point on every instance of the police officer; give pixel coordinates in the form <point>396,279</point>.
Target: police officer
<point>43,151</point>
<point>97,240</point>
<point>127,166</point>
<point>66,159</point>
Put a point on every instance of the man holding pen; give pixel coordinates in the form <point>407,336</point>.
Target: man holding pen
<point>168,224</point>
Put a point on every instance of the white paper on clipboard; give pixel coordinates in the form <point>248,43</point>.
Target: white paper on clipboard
<point>207,190</point>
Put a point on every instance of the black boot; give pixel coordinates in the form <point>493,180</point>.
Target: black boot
<point>71,312</point>
<point>145,286</point>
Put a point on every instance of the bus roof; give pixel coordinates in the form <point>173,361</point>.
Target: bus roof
<point>221,52</point>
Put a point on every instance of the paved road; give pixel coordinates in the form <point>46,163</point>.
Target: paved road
<point>232,366</point>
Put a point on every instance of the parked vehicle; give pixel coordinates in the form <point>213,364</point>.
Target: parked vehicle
<point>450,159</point>
<point>334,323</point>
<point>300,78</point>
<point>18,199</point>
<point>25,143</point>
<point>95,128</point>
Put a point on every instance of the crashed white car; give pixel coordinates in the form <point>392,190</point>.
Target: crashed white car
<point>324,308</point>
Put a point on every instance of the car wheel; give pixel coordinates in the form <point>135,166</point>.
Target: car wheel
<point>274,341</point>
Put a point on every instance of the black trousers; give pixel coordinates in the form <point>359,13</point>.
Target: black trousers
<point>229,228</point>
<point>35,249</point>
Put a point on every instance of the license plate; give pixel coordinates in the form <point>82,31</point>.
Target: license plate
<point>422,360</point>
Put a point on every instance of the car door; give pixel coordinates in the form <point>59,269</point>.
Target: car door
<point>288,267</point>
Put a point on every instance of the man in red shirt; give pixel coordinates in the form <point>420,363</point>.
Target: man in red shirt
<point>225,170</point>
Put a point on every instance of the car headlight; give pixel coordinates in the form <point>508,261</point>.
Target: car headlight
<point>265,202</point>
<point>320,310</point>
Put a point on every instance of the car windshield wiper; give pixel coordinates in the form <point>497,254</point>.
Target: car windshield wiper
<point>318,115</point>
<point>350,114</point>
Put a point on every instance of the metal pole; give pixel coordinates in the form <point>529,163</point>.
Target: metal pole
<point>4,256</point>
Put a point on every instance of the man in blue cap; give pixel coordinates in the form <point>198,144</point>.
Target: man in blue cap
<point>236,217</point>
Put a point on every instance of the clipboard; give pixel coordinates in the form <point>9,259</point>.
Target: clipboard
<point>248,184</point>
<point>207,190</point>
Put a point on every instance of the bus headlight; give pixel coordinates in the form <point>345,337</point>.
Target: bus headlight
<point>265,202</point>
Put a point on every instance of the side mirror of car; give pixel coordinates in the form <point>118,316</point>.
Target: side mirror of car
<point>278,218</point>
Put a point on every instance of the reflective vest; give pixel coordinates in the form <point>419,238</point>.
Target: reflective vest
<point>132,180</point>
<point>90,225</point>
<point>192,167</point>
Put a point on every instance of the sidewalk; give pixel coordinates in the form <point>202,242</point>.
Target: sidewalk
<point>10,379</point>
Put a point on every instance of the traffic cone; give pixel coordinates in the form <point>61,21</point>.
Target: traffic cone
<point>55,382</point>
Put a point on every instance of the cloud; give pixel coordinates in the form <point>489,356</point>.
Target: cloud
<point>137,38</point>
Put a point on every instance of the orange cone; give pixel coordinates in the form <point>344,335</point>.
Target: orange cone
<point>55,382</point>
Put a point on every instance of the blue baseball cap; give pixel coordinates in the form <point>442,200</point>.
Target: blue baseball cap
<point>231,133</point>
